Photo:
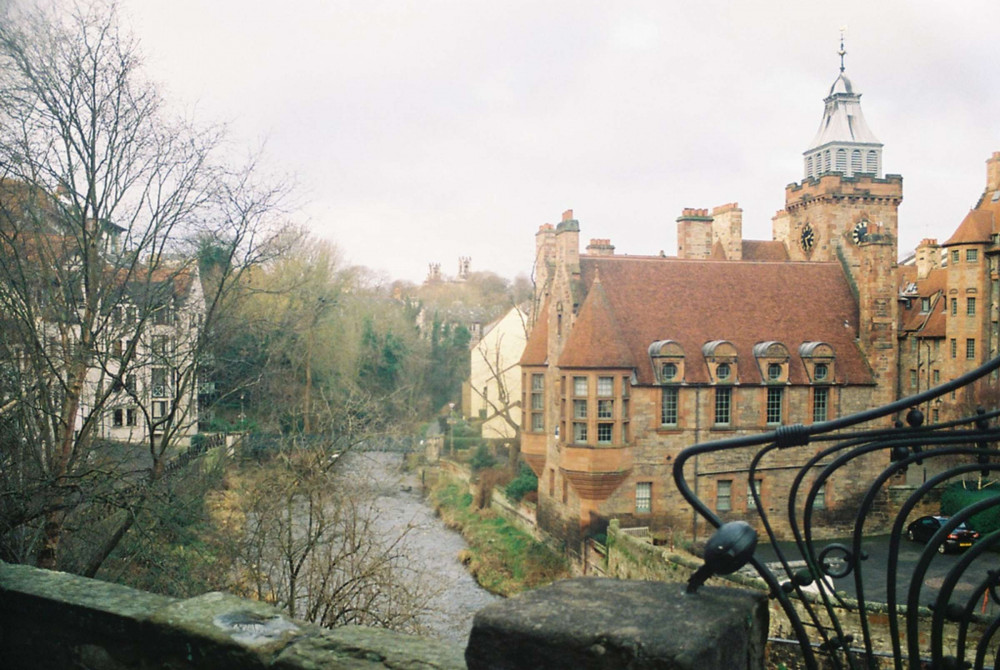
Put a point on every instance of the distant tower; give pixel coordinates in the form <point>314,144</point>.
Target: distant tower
<point>433,272</point>
<point>463,267</point>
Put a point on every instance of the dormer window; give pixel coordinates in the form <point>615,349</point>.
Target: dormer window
<point>721,358</point>
<point>667,359</point>
<point>819,360</point>
<point>722,372</point>
<point>772,361</point>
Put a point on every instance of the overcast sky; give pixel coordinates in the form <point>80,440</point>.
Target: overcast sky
<point>428,130</point>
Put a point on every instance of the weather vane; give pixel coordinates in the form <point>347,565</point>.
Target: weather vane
<point>842,53</point>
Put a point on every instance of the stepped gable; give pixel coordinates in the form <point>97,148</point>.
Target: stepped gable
<point>536,348</point>
<point>697,301</point>
<point>596,340</point>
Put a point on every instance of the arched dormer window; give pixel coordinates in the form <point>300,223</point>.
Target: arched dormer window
<point>856,166</point>
<point>772,361</point>
<point>667,359</point>
<point>841,160</point>
<point>721,359</point>
<point>826,161</point>
<point>809,166</point>
<point>819,359</point>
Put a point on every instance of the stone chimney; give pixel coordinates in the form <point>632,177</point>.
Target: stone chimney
<point>993,172</point>
<point>568,242</point>
<point>694,233</point>
<point>600,247</point>
<point>727,228</point>
<point>545,256</point>
<point>928,257</point>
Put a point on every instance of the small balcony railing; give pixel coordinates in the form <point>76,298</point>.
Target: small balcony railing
<point>948,621</point>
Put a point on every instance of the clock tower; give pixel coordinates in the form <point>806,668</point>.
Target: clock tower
<point>846,211</point>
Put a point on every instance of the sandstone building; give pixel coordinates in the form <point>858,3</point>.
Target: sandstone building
<point>633,358</point>
<point>949,305</point>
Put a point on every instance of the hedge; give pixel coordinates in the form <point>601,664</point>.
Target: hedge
<point>960,495</point>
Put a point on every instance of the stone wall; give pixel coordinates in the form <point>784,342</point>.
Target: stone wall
<point>520,515</point>
<point>52,620</point>
<point>56,620</point>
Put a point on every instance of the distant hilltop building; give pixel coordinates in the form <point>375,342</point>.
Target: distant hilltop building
<point>464,269</point>
<point>632,358</point>
<point>433,273</point>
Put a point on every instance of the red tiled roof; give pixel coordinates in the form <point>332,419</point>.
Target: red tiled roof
<point>536,348</point>
<point>936,322</point>
<point>697,301</point>
<point>596,341</point>
<point>976,228</point>
<point>764,250</point>
<point>928,324</point>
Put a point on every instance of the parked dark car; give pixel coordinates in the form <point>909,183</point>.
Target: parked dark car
<point>924,528</point>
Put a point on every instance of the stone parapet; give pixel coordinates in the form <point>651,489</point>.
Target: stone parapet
<point>597,623</point>
<point>56,620</point>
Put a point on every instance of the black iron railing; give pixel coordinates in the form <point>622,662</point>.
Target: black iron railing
<point>940,613</point>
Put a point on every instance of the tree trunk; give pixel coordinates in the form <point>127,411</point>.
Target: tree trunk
<point>51,535</point>
<point>513,455</point>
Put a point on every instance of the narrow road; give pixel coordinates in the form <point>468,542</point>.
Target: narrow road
<point>875,579</point>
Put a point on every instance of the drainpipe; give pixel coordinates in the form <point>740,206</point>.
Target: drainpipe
<point>697,439</point>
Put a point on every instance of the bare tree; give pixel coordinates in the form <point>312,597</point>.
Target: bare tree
<point>498,383</point>
<point>309,540</point>
<point>104,315</point>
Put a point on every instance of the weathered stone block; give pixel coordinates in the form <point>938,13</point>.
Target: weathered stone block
<point>56,620</point>
<point>591,623</point>
<point>223,631</point>
<point>357,647</point>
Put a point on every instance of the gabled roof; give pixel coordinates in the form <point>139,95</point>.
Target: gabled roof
<point>925,324</point>
<point>488,328</point>
<point>596,341</point>
<point>536,351</point>
<point>641,301</point>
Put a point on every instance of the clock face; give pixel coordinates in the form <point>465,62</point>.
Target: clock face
<point>860,231</point>
<point>808,238</point>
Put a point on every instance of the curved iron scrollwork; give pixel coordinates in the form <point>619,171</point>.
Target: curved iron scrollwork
<point>949,620</point>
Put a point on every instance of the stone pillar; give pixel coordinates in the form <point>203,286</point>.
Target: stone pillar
<point>595,623</point>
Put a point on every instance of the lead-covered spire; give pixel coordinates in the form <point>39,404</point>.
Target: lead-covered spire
<point>843,143</point>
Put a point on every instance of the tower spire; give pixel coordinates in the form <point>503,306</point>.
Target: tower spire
<point>842,52</point>
<point>843,143</point>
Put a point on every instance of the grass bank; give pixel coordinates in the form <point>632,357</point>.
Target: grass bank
<point>504,559</point>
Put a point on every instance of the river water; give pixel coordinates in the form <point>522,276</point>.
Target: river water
<point>433,549</point>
